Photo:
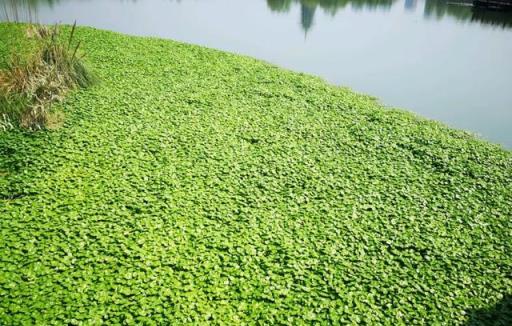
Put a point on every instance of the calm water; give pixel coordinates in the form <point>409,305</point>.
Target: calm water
<point>445,62</point>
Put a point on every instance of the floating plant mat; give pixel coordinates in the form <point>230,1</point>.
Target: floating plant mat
<point>196,186</point>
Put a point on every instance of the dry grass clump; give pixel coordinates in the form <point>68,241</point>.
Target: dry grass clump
<point>29,86</point>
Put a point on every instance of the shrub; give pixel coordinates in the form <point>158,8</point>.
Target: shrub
<point>30,85</point>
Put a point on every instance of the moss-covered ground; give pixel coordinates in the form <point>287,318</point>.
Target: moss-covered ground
<point>196,186</point>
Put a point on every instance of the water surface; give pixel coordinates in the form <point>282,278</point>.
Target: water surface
<point>446,62</point>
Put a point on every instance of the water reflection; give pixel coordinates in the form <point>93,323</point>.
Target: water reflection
<point>461,10</point>
<point>308,7</point>
<point>437,9</point>
<point>410,5</point>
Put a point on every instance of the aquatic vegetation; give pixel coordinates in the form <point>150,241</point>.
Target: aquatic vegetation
<point>36,78</point>
<point>197,186</point>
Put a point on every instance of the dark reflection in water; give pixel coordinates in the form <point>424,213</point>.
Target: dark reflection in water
<point>440,8</point>
<point>308,7</point>
<point>444,61</point>
<point>437,9</point>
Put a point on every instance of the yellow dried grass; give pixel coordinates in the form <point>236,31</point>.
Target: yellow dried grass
<point>45,77</point>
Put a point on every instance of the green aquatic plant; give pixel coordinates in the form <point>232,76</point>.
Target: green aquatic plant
<point>193,186</point>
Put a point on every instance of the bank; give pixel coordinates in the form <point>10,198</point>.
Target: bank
<point>196,186</point>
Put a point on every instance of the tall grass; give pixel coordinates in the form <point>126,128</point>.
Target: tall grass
<point>31,84</point>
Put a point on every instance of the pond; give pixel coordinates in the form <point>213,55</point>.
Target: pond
<point>445,61</point>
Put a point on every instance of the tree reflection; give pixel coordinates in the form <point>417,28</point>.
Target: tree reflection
<point>329,6</point>
<point>437,9</point>
<point>307,16</point>
<point>18,10</point>
<point>491,17</point>
<point>279,5</point>
<point>309,7</point>
<point>434,9</point>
